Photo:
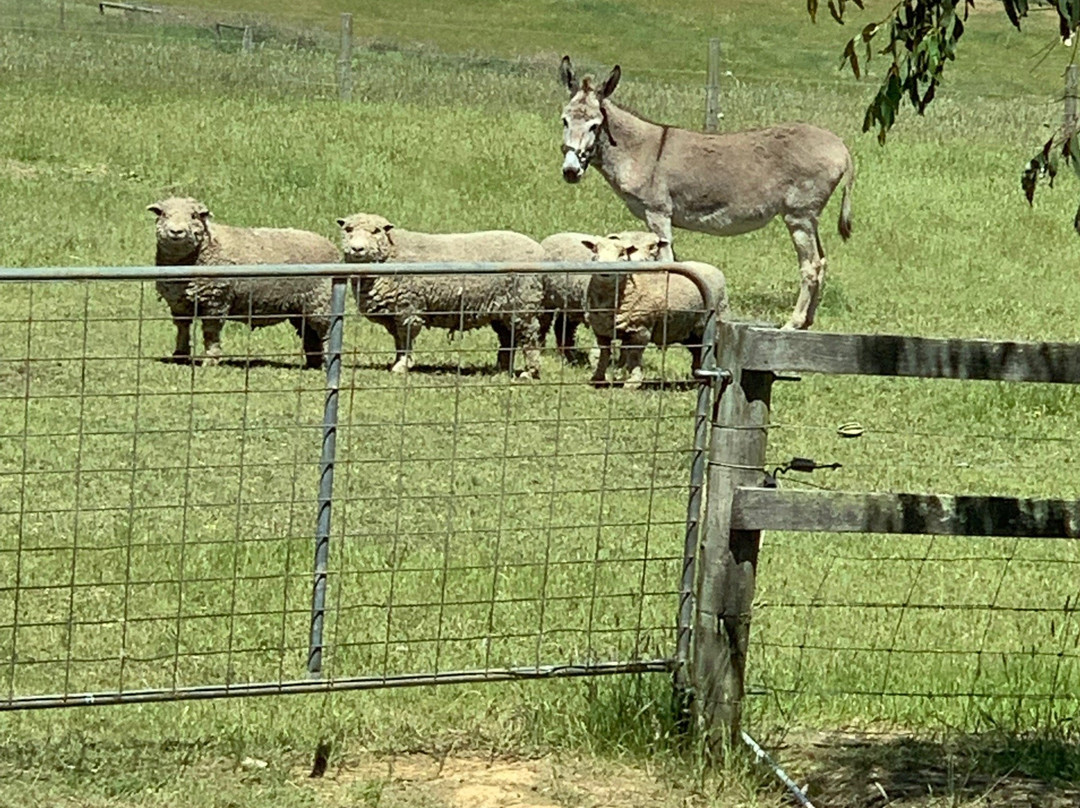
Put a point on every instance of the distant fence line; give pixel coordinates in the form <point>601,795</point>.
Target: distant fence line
<point>712,73</point>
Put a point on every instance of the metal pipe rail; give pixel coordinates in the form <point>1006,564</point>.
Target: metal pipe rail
<point>332,685</point>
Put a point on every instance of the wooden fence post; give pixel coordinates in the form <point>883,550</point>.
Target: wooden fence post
<point>712,87</point>
<point>61,14</point>
<point>345,59</point>
<point>1072,75</point>
<point>727,558</point>
<point>248,43</point>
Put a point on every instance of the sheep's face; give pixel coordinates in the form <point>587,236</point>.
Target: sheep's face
<point>647,245</point>
<point>610,249</point>
<point>365,238</point>
<point>181,225</point>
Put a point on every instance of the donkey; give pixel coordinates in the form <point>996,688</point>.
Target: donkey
<point>724,184</point>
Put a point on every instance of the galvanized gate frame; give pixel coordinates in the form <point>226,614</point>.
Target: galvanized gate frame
<point>315,681</point>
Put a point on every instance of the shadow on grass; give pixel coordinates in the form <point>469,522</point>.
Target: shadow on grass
<point>436,370</point>
<point>255,362</point>
<point>872,771</point>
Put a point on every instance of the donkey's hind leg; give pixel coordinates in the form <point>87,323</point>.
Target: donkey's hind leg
<point>804,235</point>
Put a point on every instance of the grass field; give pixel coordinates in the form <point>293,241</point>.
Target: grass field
<point>460,490</point>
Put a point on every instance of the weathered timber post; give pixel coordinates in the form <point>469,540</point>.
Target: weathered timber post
<point>1072,79</point>
<point>712,87</point>
<point>727,558</point>
<point>345,59</point>
<point>248,42</point>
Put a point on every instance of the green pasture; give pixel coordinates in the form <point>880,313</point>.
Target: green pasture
<point>152,512</point>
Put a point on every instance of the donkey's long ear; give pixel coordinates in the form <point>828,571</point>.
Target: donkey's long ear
<point>611,83</point>
<point>566,75</point>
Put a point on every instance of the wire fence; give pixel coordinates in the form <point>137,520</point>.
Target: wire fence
<point>158,516</point>
<point>305,53</point>
<point>158,513</point>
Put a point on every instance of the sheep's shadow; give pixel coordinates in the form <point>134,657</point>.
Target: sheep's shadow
<point>428,369</point>
<point>254,362</point>
<point>672,385</point>
<point>855,771</point>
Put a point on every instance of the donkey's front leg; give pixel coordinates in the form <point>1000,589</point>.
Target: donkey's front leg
<point>659,223</point>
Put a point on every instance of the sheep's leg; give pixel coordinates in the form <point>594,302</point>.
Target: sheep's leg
<point>211,329</point>
<point>566,338</point>
<point>404,336</point>
<point>599,377</point>
<point>631,352</point>
<point>313,337</point>
<point>528,337</point>
<point>183,337</point>
<point>504,360</point>
<point>696,345</point>
<point>545,325</point>
<point>804,235</point>
<point>660,224</point>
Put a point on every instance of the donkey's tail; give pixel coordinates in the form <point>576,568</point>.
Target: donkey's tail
<point>845,204</point>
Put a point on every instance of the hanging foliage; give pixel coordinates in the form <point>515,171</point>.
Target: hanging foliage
<point>920,38</point>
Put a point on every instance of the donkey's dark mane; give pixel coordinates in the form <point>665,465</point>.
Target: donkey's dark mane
<point>637,114</point>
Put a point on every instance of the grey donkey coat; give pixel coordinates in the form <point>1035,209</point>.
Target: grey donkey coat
<point>723,184</point>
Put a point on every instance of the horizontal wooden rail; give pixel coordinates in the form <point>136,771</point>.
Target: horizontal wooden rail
<point>770,349</point>
<point>127,7</point>
<point>847,512</point>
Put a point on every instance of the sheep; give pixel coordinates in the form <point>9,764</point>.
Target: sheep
<point>186,238</point>
<point>404,305</point>
<point>564,294</point>
<point>658,307</point>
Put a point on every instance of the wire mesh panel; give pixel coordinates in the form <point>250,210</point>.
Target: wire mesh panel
<point>157,517</point>
<point>493,521</point>
<point>159,510</point>
<point>924,632</point>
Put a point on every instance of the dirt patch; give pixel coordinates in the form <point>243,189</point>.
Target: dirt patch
<point>477,782</point>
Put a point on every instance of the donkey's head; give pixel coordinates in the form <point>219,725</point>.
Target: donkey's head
<point>583,119</point>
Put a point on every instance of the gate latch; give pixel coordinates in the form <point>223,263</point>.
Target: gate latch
<point>803,464</point>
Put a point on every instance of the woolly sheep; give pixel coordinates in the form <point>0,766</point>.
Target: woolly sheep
<point>185,237</point>
<point>564,294</point>
<point>658,307</point>
<point>404,305</point>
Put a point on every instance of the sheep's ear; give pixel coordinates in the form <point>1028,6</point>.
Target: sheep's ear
<point>566,75</point>
<point>155,209</point>
<point>591,245</point>
<point>340,222</point>
<point>611,83</point>
<point>630,250</point>
<point>204,212</point>
<point>387,228</point>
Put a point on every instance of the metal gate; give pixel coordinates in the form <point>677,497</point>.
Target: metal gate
<point>156,515</point>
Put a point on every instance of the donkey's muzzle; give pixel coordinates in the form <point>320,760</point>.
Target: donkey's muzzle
<point>572,167</point>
